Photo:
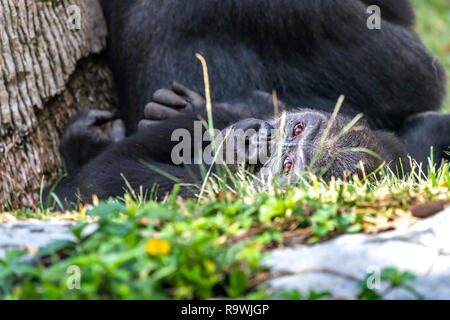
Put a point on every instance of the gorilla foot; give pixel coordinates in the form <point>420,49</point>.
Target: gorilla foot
<point>96,124</point>
<point>87,134</point>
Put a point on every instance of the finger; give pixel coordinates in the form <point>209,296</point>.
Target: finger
<point>155,111</point>
<point>169,98</point>
<point>145,124</point>
<point>180,89</point>
<point>183,91</point>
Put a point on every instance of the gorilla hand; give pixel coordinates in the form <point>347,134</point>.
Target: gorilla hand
<point>169,103</point>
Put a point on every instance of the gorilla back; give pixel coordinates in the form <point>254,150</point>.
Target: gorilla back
<point>309,51</point>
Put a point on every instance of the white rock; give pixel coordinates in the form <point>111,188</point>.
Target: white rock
<point>423,249</point>
<point>33,234</point>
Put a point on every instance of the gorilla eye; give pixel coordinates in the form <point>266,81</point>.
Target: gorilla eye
<point>287,165</point>
<point>298,129</point>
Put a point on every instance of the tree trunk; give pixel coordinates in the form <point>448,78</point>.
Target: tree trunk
<point>50,66</point>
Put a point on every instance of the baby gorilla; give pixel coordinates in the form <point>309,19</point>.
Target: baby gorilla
<point>276,148</point>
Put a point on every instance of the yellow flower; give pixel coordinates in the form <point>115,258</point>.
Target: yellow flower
<point>94,200</point>
<point>444,184</point>
<point>157,246</point>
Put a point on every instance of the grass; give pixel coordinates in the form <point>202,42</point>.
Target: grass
<point>433,25</point>
<point>212,247</point>
<point>208,248</point>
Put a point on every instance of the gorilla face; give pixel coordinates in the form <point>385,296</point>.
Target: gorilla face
<point>311,140</point>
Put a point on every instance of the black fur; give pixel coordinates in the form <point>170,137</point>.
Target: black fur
<point>310,52</point>
<point>426,130</point>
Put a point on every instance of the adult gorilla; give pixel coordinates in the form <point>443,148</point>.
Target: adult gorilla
<point>310,52</point>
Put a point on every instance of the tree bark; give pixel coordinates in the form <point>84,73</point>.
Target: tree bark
<point>49,69</point>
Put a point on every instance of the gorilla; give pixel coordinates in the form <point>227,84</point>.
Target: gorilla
<point>308,52</point>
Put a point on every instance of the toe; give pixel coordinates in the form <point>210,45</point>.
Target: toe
<point>97,117</point>
<point>180,89</point>
<point>118,130</point>
<point>191,96</point>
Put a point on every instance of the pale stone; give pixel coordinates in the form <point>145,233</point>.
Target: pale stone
<point>423,249</point>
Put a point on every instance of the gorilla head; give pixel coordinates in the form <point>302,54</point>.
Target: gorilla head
<point>317,142</point>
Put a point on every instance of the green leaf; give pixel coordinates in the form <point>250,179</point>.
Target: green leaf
<point>238,283</point>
